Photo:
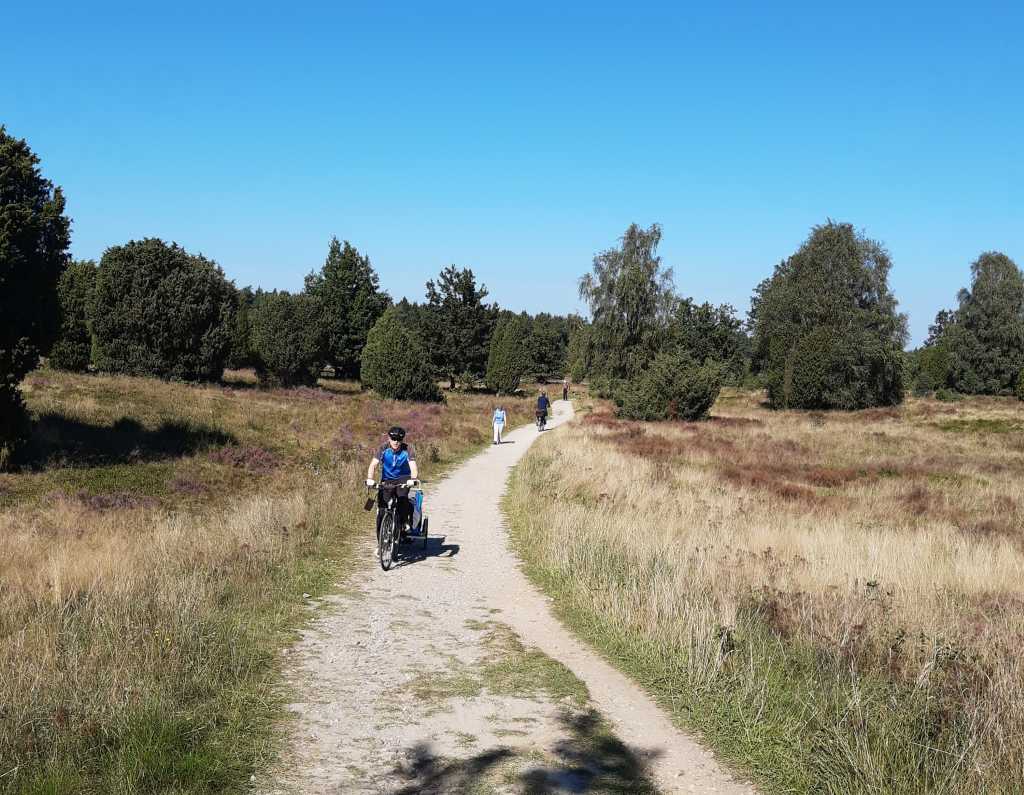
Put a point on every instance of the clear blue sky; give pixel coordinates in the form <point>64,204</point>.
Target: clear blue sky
<point>519,141</point>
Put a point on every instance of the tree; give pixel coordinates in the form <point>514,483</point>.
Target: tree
<point>985,338</point>
<point>509,357</point>
<point>578,350</point>
<point>163,312</point>
<point>76,288</point>
<point>395,364</point>
<point>672,387</point>
<point>631,300</point>
<point>826,330</point>
<point>705,332</point>
<point>350,298</point>
<point>34,241</point>
<point>547,344</point>
<point>458,324</point>
<point>286,342</point>
<point>240,354</point>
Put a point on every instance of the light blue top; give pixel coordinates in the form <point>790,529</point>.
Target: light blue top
<point>499,416</point>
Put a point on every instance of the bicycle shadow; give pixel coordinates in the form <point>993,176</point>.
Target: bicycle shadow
<point>415,552</point>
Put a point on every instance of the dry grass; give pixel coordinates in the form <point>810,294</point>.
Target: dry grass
<point>851,581</point>
<point>154,555</point>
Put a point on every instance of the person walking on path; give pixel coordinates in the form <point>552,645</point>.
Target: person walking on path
<point>565,389</point>
<point>499,423</point>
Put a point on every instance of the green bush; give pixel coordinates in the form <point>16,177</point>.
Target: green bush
<point>831,370</point>
<point>161,311</point>
<point>826,330</point>
<point>394,364</point>
<point>948,395</point>
<point>73,348</point>
<point>287,339</point>
<point>672,388</point>
<point>985,335</point>
<point>1019,389</point>
<point>508,358</point>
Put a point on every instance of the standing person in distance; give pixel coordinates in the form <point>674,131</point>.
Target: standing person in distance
<point>499,423</point>
<point>565,389</point>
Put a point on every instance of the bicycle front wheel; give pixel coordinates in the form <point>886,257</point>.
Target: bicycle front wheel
<point>387,541</point>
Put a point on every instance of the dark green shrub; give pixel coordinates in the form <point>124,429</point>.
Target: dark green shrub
<point>1019,389</point>
<point>826,330</point>
<point>394,363</point>
<point>240,352</point>
<point>73,348</point>
<point>985,335</point>
<point>672,388</point>
<point>161,311</point>
<point>607,388</point>
<point>287,339</point>
<point>508,358</point>
<point>948,395</point>
<point>34,239</point>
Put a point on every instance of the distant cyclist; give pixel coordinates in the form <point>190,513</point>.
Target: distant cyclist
<point>543,404</point>
<point>398,474</point>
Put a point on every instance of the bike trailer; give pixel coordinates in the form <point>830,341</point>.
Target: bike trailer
<point>416,498</point>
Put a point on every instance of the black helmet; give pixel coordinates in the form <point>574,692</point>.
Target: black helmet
<point>396,433</point>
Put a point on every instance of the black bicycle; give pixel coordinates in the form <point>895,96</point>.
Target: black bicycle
<point>390,529</point>
<point>542,420</point>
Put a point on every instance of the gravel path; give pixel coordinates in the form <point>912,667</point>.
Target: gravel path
<point>449,673</point>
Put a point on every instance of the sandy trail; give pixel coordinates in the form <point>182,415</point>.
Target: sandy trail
<point>439,675</point>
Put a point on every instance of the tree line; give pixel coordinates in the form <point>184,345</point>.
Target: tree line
<point>823,331</point>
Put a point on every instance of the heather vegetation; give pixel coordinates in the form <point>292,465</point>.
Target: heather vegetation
<point>831,599</point>
<point>155,549</point>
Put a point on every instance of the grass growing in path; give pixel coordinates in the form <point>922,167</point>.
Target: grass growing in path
<point>833,600</point>
<point>154,555</point>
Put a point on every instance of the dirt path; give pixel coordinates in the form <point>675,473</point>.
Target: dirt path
<point>449,674</point>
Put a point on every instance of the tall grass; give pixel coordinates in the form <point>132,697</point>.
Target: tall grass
<point>154,556</point>
<point>834,601</point>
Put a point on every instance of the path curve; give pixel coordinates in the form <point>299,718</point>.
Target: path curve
<point>430,721</point>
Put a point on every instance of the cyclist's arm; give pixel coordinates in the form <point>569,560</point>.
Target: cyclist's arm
<point>372,468</point>
<point>413,469</point>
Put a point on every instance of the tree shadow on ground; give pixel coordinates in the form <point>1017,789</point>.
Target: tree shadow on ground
<point>415,552</point>
<point>59,441</point>
<point>588,759</point>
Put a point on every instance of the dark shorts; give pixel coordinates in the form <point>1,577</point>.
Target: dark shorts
<point>397,487</point>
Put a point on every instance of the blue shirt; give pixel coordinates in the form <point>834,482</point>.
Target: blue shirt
<point>395,464</point>
<point>499,417</point>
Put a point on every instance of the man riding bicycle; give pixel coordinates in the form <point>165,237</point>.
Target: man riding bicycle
<point>398,474</point>
<point>543,404</point>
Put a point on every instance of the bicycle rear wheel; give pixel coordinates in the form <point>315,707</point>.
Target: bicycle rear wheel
<point>387,541</point>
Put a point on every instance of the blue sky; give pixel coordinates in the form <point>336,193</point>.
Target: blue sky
<point>520,140</point>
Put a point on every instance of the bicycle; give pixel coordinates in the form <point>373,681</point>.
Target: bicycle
<point>389,529</point>
<point>542,420</point>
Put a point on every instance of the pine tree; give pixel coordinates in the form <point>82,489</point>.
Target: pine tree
<point>348,291</point>
<point>509,357</point>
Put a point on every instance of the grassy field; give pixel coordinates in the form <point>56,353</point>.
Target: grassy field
<point>833,600</point>
<point>156,552</point>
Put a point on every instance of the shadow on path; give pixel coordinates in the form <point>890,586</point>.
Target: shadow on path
<point>588,759</point>
<point>414,551</point>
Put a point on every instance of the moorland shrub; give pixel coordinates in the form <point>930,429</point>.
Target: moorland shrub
<point>832,370</point>
<point>826,330</point>
<point>985,335</point>
<point>73,349</point>
<point>161,311</point>
<point>395,364</point>
<point>508,359</point>
<point>672,388</point>
<point>1019,389</point>
<point>34,240</point>
<point>287,339</point>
